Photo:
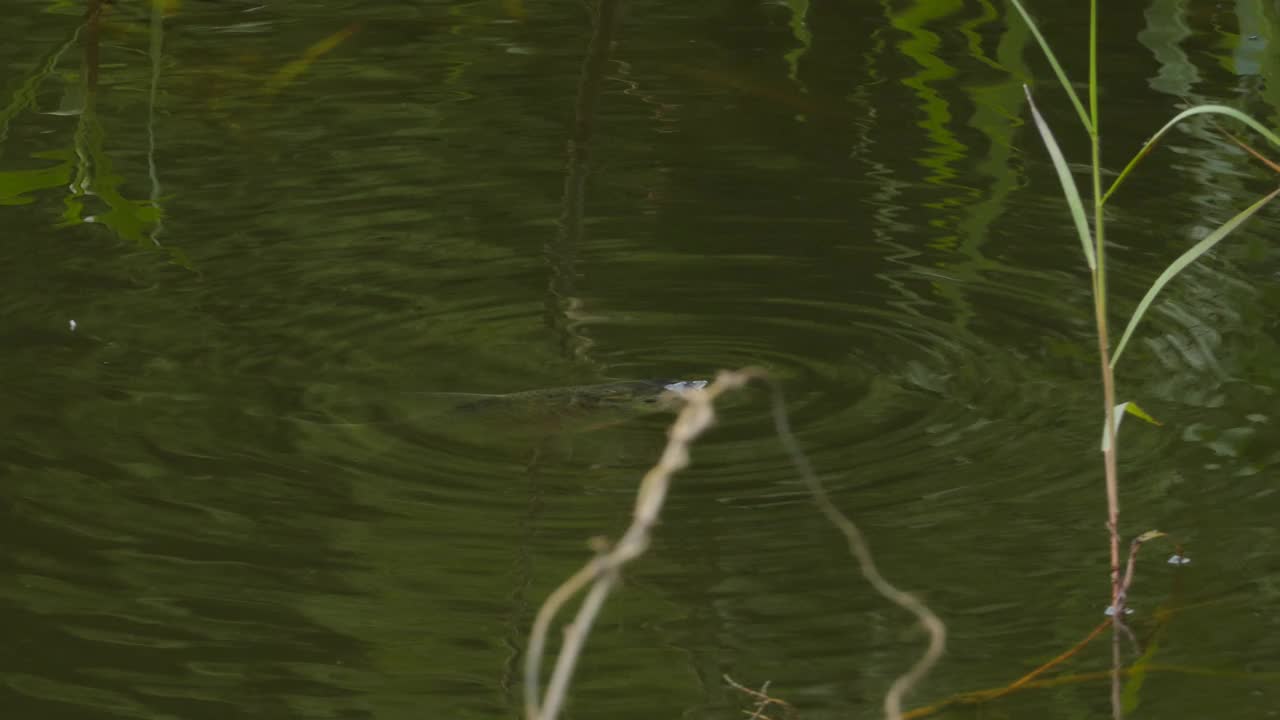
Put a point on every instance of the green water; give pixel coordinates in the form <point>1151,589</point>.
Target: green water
<point>228,228</point>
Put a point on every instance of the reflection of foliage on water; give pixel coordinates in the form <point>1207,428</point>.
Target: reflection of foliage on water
<point>85,167</point>
<point>15,184</point>
<point>95,189</point>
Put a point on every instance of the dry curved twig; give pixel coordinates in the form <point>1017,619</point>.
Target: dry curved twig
<point>600,574</point>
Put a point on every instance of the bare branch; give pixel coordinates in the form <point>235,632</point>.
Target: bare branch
<point>601,573</point>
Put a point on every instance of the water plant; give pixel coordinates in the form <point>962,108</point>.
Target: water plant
<point>1092,234</point>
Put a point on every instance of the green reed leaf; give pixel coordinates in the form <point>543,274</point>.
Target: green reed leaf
<point>1069,189</point>
<point>1132,409</point>
<point>1125,408</point>
<point>1057,67</point>
<point>1150,144</point>
<point>1181,264</point>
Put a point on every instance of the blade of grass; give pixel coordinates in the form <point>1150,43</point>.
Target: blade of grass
<point>1197,110</point>
<point>1057,67</point>
<point>1181,263</point>
<point>1069,188</point>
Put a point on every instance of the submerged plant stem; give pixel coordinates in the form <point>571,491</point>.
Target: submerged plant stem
<point>866,563</point>
<point>157,54</point>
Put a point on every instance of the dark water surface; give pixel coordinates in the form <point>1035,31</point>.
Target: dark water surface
<point>245,242</point>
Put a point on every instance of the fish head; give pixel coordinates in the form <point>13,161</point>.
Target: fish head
<point>668,394</point>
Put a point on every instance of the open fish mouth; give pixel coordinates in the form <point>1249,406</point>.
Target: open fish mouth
<point>669,394</point>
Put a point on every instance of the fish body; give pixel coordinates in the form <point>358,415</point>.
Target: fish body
<point>543,411</point>
<point>567,408</point>
<point>639,395</point>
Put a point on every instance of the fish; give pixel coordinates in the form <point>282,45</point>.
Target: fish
<point>577,406</point>
<point>542,411</point>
